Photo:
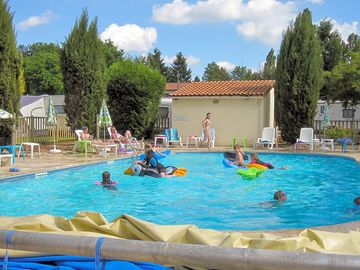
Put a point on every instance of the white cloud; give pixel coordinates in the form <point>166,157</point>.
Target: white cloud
<point>32,21</point>
<point>263,20</point>
<point>226,65</point>
<point>130,37</point>
<point>180,12</point>
<point>190,60</point>
<point>345,29</point>
<point>316,1</point>
<point>168,60</point>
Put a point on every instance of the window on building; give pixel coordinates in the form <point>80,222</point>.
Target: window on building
<point>348,113</point>
<point>163,112</point>
<point>59,109</point>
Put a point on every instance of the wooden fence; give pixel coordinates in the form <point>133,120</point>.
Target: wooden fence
<point>160,124</point>
<point>33,129</point>
<point>341,124</point>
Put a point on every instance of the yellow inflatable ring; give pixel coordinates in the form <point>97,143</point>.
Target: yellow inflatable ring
<point>258,166</point>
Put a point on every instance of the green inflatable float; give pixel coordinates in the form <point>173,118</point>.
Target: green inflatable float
<point>250,173</point>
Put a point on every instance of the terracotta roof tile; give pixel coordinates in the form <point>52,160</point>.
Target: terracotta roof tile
<point>225,88</point>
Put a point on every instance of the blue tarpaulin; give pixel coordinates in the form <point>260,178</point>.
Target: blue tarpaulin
<point>75,262</point>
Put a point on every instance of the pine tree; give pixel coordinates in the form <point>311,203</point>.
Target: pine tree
<point>155,61</point>
<point>298,77</point>
<point>179,71</point>
<point>270,66</point>
<point>9,70</point>
<point>83,66</point>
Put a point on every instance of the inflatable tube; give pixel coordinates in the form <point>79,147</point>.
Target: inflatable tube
<point>232,156</point>
<point>227,164</point>
<point>112,183</point>
<point>268,165</point>
<point>14,170</point>
<point>166,153</point>
<point>250,173</point>
<point>257,166</point>
<point>138,170</point>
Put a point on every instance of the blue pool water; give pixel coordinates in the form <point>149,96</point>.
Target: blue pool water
<point>320,191</point>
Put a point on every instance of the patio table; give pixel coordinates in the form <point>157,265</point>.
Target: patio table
<point>344,141</point>
<point>104,146</point>
<point>160,137</point>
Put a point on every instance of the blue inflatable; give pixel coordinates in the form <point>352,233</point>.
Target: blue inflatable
<point>227,164</point>
<point>166,153</point>
<point>63,262</point>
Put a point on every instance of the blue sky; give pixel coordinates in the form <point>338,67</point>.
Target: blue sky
<point>228,32</point>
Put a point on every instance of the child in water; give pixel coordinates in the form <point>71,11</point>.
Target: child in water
<point>151,161</point>
<point>280,196</point>
<point>106,179</point>
<point>239,156</point>
<point>254,159</point>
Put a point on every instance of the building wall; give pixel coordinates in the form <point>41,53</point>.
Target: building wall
<point>231,117</point>
<point>268,105</point>
<point>335,112</point>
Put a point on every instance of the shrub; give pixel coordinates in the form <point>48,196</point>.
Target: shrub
<point>337,133</point>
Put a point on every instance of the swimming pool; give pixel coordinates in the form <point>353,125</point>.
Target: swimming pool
<point>320,191</point>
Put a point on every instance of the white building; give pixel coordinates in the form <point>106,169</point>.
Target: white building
<point>337,112</point>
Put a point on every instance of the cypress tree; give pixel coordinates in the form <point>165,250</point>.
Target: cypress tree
<point>9,70</point>
<point>83,66</point>
<point>298,77</point>
<point>270,66</point>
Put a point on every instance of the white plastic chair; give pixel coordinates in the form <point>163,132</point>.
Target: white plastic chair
<point>268,138</point>
<point>133,142</point>
<point>306,138</point>
<point>78,134</point>
<point>202,138</point>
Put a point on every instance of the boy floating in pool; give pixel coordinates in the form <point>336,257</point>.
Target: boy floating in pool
<point>239,159</point>
<point>151,161</point>
<point>106,182</point>
<point>254,159</point>
<point>357,200</point>
<point>280,196</point>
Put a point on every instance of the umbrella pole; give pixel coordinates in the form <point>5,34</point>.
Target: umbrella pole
<point>54,140</point>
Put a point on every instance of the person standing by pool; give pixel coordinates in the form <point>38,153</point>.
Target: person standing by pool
<point>206,126</point>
